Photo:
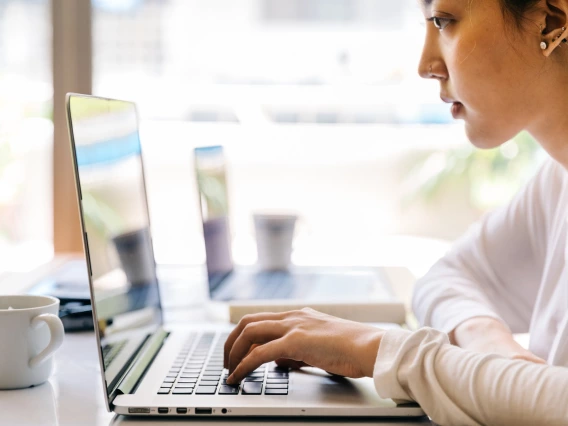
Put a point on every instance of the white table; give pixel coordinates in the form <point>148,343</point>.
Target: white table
<point>74,394</point>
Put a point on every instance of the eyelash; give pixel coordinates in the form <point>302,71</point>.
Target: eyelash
<point>439,23</point>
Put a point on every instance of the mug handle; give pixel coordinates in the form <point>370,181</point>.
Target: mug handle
<point>55,329</point>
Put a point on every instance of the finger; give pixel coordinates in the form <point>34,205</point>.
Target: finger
<point>261,354</point>
<point>247,319</point>
<point>290,363</point>
<point>254,333</point>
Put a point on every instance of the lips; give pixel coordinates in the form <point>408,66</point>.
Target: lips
<point>457,107</point>
<point>447,99</point>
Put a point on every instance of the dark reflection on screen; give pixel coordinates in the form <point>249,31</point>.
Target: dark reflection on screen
<point>211,175</point>
<point>115,217</point>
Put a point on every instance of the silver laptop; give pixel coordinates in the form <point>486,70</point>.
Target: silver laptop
<point>148,369</point>
<point>228,282</point>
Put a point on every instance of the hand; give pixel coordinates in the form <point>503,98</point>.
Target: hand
<point>305,337</point>
<point>488,335</point>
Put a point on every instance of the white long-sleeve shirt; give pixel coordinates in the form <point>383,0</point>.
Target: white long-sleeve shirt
<point>511,266</point>
<point>459,387</point>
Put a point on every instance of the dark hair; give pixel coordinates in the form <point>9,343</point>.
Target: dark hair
<point>517,9</point>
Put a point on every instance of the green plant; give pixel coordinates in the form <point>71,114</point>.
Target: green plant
<point>488,176</point>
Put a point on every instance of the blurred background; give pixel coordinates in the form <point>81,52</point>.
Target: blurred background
<point>317,103</point>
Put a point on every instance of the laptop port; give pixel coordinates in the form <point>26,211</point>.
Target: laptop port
<point>163,410</point>
<point>181,410</point>
<point>138,410</point>
<point>204,411</point>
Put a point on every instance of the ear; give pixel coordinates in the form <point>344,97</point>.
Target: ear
<point>554,21</point>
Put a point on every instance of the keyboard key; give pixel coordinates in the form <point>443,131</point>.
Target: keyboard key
<point>164,391</point>
<point>206,390</point>
<point>184,391</point>
<point>191,380</point>
<point>211,377</point>
<point>277,375</point>
<point>166,385</point>
<point>276,386</point>
<point>208,383</point>
<point>213,372</point>
<point>189,375</point>
<point>169,380</point>
<point>277,381</point>
<point>185,385</point>
<point>254,379</point>
<point>253,374</point>
<point>276,392</point>
<point>278,369</point>
<point>228,390</point>
<point>252,388</point>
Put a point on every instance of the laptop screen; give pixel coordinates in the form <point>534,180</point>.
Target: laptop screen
<point>211,176</point>
<point>114,210</point>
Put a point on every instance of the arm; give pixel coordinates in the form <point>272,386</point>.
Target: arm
<point>483,334</point>
<point>452,385</point>
<point>455,386</point>
<point>495,270</point>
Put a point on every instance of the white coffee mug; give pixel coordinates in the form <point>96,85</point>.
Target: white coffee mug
<point>30,332</point>
<point>274,236</point>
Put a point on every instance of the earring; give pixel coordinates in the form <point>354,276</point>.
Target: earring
<point>543,45</point>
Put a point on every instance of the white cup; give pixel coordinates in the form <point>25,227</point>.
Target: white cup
<point>274,236</point>
<point>30,332</point>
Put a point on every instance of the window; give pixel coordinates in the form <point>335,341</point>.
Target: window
<point>26,134</point>
<point>318,104</point>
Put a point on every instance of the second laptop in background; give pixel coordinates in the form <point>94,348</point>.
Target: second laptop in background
<point>358,293</point>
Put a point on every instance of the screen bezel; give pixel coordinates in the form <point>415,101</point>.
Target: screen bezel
<point>110,392</point>
<point>213,283</point>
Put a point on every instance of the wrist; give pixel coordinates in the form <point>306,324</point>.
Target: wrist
<point>480,329</point>
<point>367,350</point>
<point>488,335</point>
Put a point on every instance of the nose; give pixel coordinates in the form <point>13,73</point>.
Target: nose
<point>431,64</point>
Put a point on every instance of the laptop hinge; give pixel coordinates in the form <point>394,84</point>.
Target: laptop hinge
<point>140,364</point>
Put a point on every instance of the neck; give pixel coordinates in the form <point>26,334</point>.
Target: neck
<point>550,127</point>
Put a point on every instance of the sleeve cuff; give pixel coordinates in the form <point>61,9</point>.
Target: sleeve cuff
<point>398,350</point>
<point>386,365</point>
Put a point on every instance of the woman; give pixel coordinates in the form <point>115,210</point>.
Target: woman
<point>503,65</point>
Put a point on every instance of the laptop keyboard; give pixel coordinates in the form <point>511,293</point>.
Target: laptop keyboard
<point>274,285</point>
<point>201,372</point>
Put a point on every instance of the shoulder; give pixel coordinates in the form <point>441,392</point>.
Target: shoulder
<point>552,173</point>
<point>549,183</point>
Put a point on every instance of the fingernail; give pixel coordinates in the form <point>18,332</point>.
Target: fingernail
<point>230,380</point>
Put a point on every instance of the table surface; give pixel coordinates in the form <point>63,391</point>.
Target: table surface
<point>74,395</point>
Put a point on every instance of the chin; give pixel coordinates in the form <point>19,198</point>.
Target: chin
<point>484,139</point>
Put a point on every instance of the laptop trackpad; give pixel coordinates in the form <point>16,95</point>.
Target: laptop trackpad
<point>320,388</point>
